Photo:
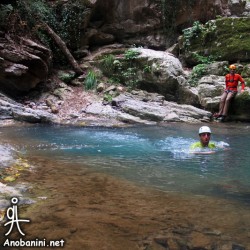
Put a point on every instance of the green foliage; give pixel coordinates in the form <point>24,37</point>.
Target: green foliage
<point>64,18</point>
<point>197,72</point>
<point>227,38</point>
<point>90,80</point>
<point>147,69</point>
<point>130,77</point>
<point>192,32</point>
<point>127,69</point>
<point>131,54</point>
<point>66,77</point>
<point>198,30</point>
<point>200,69</point>
<point>34,11</point>
<point>122,68</point>
<point>107,97</point>
<point>69,19</point>
<point>247,81</point>
<point>5,11</point>
<point>242,102</point>
<point>108,63</point>
<point>204,59</point>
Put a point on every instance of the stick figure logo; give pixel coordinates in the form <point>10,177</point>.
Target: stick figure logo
<point>12,215</point>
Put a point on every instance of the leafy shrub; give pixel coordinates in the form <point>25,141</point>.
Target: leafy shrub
<point>200,69</point>
<point>90,80</point>
<point>5,10</point>
<point>64,18</point>
<point>198,30</point>
<point>191,32</point>
<point>66,77</point>
<point>128,69</point>
<point>107,98</point>
<point>131,54</point>
<point>107,64</point>
<point>122,68</point>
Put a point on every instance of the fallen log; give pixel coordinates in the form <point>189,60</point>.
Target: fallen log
<point>61,44</point>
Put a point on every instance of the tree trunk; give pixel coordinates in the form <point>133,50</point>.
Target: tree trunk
<point>61,44</point>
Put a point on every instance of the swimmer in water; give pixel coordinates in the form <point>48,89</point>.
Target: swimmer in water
<point>204,143</point>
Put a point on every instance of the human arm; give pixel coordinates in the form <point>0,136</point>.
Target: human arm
<point>242,83</point>
<point>227,81</point>
<point>222,145</point>
<point>203,152</point>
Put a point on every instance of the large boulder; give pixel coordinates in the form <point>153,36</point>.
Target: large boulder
<point>210,88</point>
<point>23,64</point>
<point>163,75</point>
<point>10,109</point>
<point>239,109</point>
<point>146,69</point>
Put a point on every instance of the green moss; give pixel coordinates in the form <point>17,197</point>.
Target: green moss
<point>241,103</point>
<point>90,80</point>
<point>230,39</point>
<point>66,77</point>
<point>247,81</point>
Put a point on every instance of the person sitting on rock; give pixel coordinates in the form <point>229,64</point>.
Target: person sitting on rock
<point>232,79</point>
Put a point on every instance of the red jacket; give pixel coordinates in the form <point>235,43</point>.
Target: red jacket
<point>232,81</point>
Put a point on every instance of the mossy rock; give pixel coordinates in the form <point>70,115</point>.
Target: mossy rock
<point>247,81</point>
<point>242,102</point>
<point>240,106</point>
<point>228,40</point>
<point>66,76</point>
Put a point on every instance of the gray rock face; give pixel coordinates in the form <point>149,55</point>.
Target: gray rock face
<point>10,109</point>
<point>146,108</point>
<point>163,74</point>
<point>23,65</point>
<point>145,23</point>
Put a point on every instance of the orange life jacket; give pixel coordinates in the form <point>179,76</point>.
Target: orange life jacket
<point>232,81</point>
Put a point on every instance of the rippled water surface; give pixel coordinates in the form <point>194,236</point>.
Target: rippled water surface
<point>154,156</point>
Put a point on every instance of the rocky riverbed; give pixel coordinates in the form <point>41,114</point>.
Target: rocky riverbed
<point>94,211</point>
